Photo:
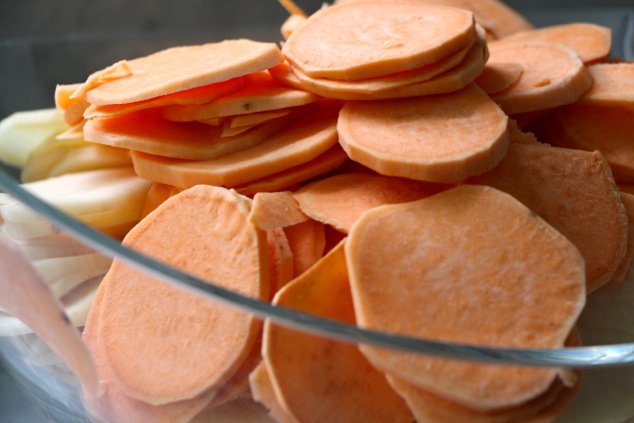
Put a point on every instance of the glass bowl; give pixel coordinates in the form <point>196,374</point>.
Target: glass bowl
<point>41,57</point>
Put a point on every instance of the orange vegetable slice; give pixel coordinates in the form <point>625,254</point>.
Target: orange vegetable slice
<point>553,76</point>
<point>621,271</point>
<point>145,352</point>
<point>591,42</point>
<point>348,388</point>
<point>73,107</point>
<point>434,138</point>
<point>581,201</point>
<point>498,76</point>
<point>261,93</point>
<point>146,131</point>
<point>263,392</point>
<point>301,141</point>
<point>358,40</point>
<point>272,210</point>
<point>197,95</point>
<point>613,85</point>
<point>467,271</point>
<point>156,74</point>
<point>340,199</point>
<point>307,241</point>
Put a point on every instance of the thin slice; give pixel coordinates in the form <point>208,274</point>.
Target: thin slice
<point>579,199</point>
<point>554,75</point>
<point>272,210</point>
<point>467,271</point>
<point>444,138</point>
<point>340,199</point>
<point>264,393</point>
<point>300,142</point>
<point>146,131</point>
<point>144,350</point>
<point>307,241</point>
<point>348,388</point>
<point>498,76</point>
<point>358,40</point>
<point>155,75</point>
<point>613,85</point>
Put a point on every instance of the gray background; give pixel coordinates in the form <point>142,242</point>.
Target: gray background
<point>43,43</point>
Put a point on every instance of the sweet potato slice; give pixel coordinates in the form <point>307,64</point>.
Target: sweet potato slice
<point>281,259</point>
<point>340,199</point>
<point>436,138</point>
<point>264,393</point>
<point>148,132</point>
<point>604,128</point>
<point>451,80</point>
<point>358,40</point>
<point>197,95</point>
<point>580,200</point>
<point>498,76</point>
<point>261,93</point>
<point>591,42</point>
<point>271,210</point>
<point>348,388</point>
<point>553,76</point>
<point>467,271</point>
<point>157,194</point>
<point>613,85</point>
<point>156,74</point>
<point>307,241</point>
<point>73,108</point>
<point>621,271</point>
<point>144,350</point>
<point>325,162</point>
<point>301,141</point>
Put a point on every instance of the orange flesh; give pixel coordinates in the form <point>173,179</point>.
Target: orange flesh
<point>498,76</point>
<point>444,138</point>
<point>353,41</point>
<point>613,85</point>
<point>467,271</point>
<point>145,352</point>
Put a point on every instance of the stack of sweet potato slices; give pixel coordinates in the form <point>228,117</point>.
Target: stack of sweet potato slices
<point>395,159</point>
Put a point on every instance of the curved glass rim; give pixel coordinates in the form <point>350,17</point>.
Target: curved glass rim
<point>573,357</point>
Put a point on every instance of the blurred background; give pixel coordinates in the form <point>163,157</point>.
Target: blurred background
<point>46,42</point>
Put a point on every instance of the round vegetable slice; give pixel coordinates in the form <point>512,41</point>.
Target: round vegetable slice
<point>443,138</point>
<point>165,344</point>
<point>358,40</point>
<point>469,265</point>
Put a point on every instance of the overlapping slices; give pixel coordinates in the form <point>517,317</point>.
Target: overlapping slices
<point>109,200</point>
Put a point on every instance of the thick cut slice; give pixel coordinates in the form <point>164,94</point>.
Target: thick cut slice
<point>444,138</point>
<point>573,191</point>
<point>468,271</point>
<point>604,128</point>
<point>197,95</point>
<point>318,379</point>
<point>202,344</point>
<point>553,76</point>
<point>160,73</point>
<point>261,93</point>
<point>340,199</point>
<point>359,40</point>
<point>613,85</point>
<point>591,42</point>
<point>146,131</point>
<point>301,141</point>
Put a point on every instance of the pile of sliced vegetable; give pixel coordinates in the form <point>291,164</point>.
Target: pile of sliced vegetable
<point>434,169</point>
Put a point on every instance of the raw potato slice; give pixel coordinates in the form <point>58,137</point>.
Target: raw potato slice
<point>603,128</point>
<point>281,259</point>
<point>145,352</point>
<point>359,40</point>
<point>579,199</point>
<point>624,267</point>
<point>301,141</point>
<point>26,296</point>
<point>263,392</point>
<point>452,80</point>
<point>498,76</point>
<point>591,42</point>
<point>348,388</point>
<point>197,95</point>
<point>613,85</point>
<point>261,93</point>
<point>73,108</point>
<point>340,199</point>
<point>325,162</point>
<point>146,131</point>
<point>159,73</point>
<point>468,272</point>
<point>250,119</point>
<point>553,76</point>
<point>436,138</point>
<point>157,194</point>
<point>307,241</point>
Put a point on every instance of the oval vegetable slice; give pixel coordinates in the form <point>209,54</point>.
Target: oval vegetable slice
<point>443,138</point>
<point>201,344</point>
<point>466,269</point>
<point>358,40</point>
